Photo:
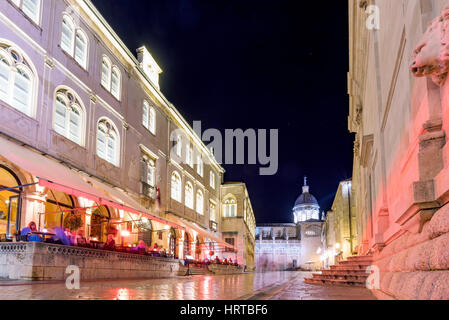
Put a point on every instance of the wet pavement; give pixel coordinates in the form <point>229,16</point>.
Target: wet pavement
<point>271,285</point>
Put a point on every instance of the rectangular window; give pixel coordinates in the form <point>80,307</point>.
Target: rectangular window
<point>199,168</point>
<point>101,144</point>
<point>67,36</point>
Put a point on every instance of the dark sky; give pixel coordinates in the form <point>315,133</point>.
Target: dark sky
<point>255,64</point>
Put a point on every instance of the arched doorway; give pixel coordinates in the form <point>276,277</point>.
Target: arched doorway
<point>172,242</point>
<point>99,223</point>
<point>56,208</point>
<point>186,245</point>
<point>9,202</point>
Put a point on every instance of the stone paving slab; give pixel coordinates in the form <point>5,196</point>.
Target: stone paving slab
<point>297,289</point>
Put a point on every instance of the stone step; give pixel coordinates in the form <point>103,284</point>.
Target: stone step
<point>356,262</point>
<point>360,258</point>
<point>349,267</point>
<point>334,282</point>
<point>344,272</point>
<point>357,278</point>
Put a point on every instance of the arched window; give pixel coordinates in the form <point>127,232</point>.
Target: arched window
<point>106,73</point>
<point>230,207</point>
<point>149,117</point>
<point>189,155</point>
<point>176,186</point>
<point>199,202</point>
<point>81,48</point>
<point>152,120</point>
<point>179,145</point>
<point>199,166</point>
<point>189,195</point>
<point>151,176</point>
<point>108,146</point>
<point>212,212</point>
<point>115,82</point>
<point>31,8</point>
<point>212,179</point>
<point>74,41</point>
<point>69,116</point>
<point>68,34</point>
<point>17,80</point>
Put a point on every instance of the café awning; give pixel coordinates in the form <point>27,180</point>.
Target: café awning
<point>191,225</point>
<point>57,176</point>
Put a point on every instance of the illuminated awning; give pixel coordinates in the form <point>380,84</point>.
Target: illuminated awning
<point>191,225</point>
<point>56,176</point>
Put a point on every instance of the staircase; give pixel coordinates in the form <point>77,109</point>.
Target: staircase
<point>192,271</point>
<point>351,272</point>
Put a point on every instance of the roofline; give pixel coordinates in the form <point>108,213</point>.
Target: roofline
<point>93,12</point>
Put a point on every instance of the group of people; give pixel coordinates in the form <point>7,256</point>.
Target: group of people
<point>58,235</point>
<point>62,236</point>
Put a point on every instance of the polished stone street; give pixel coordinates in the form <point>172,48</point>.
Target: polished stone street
<point>272,285</point>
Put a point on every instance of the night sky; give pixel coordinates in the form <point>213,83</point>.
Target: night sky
<point>255,64</point>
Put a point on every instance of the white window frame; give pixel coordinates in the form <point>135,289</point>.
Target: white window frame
<point>189,155</point>
<point>17,62</point>
<point>106,83</point>
<point>212,212</point>
<point>75,31</point>
<point>212,179</point>
<point>175,186</point>
<point>70,104</point>
<point>110,133</point>
<point>37,15</point>
<point>230,208</point>
<point>199,165</point>
<point>188,195</point>
<point>199,201</point>
<point>149,117</point>
<point>179,145</point>
<point>151,172</point>
<point>111,69</point>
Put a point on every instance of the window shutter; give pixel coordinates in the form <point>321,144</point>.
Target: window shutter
<point>4,78</point>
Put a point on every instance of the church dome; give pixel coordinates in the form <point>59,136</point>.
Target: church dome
<point>306,199</point>
<point>306,206</point>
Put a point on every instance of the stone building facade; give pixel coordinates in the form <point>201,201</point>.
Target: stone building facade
<point>85,128</point>
<point>399,112</point>
<point>289,246</point>
<point>238,224</point>
<point>340,226</point>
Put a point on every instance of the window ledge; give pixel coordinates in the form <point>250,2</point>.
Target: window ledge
<point>110,93</point>
<point>73,59</point>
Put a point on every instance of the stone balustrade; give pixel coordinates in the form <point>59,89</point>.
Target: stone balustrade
<point>42,261</point>
<point>224,269</point>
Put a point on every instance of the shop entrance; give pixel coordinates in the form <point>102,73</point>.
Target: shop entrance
<point>9,203</point>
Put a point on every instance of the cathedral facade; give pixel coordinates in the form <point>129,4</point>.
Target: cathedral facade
<point>289,246</point>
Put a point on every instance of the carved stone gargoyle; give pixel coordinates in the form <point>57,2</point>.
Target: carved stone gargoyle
<point>431,56</point>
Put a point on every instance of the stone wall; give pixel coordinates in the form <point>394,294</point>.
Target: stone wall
<point>416,266</point>
<point>223,269</point>
<point>39,261</point>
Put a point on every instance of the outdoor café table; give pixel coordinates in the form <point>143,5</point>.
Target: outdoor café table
<point>95,244</point>
<point>42,234</point>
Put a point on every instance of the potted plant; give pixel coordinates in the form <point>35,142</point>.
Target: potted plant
<point>73,222</point>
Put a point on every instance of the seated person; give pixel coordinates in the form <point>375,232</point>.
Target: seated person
<point>80,240</point>
<point>31,228</point>
<point>60,237</point>
<point>110,244</point>
<point>141,247</point>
